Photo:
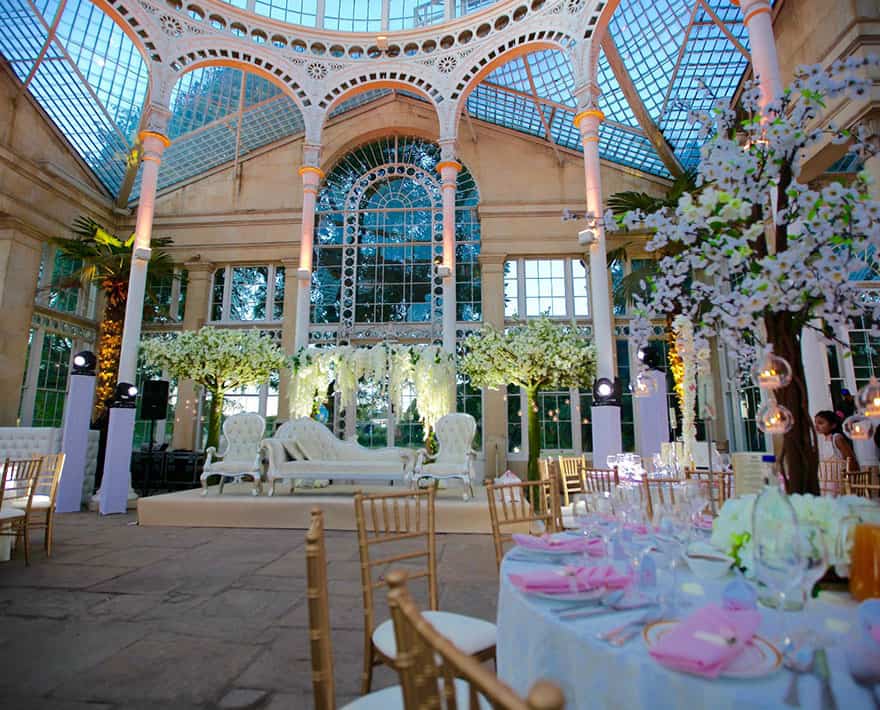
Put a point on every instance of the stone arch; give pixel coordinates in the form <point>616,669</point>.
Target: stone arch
<point>132,26</point>
<point>365,79</point>
<point>232,54</point>
<point>591,61</point>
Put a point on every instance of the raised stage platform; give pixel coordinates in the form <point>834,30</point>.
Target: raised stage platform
<point>237,508</point>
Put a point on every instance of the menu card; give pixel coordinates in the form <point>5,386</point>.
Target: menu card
<point>748,472</point>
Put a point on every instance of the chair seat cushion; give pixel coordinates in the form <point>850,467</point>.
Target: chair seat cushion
<point>470,634</point>
<point>38,502</point>
<point>443,469</point>
<point>340,469</point>
<point>392,699</point>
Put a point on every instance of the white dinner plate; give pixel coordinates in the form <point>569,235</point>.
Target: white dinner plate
<point>759,657</point>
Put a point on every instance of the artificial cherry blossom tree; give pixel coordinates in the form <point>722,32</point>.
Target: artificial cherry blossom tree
<point>754,256</point>
<point>538,355</point>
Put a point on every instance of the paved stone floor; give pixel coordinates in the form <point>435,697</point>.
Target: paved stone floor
<point>128,617</point>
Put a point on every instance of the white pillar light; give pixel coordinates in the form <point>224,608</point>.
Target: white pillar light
<point>120,431</point>
<point>607,437</point>
<point>448,170</point>
<point>311,177</point>
<point>758,20</point>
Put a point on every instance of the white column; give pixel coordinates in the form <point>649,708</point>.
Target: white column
<point>607,436</point>
<point>117,469</point>
<point>765,62</point>
<point>311,176</point>
<point>814,357</point>
<point>448,170</point>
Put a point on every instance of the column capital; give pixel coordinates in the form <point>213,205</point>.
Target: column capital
<point>197,266</point>
<point>311,154</point>
<point>751,8</point>
<point>306,171</point>
<point>290,263</point>
<point>447,150</point>
<point>492,262</point>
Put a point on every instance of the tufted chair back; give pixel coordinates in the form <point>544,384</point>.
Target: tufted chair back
<point>243,434</point>
<point>22,442</point>
<point>455,435</point>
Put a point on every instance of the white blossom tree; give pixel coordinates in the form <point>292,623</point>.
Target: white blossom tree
<point>534,356</point>
<point>755,256</point>
<point>220,360</point>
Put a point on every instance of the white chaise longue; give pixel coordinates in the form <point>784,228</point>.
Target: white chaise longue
<point>303,449</point>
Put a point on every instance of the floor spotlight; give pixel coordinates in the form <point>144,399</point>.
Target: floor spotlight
<point>125,395</point>
<point>84,363</point>
<point>606,392</point>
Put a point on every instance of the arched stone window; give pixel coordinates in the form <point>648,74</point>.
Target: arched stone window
<point>378,235</point>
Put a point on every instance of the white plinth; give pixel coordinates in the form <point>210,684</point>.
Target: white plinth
<point>607,438</point>
<point>652,414</point>
<point>116,481</point>
<point>75,442</point>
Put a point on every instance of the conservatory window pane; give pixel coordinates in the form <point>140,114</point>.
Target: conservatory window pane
<point>511,289</point>
<point>249,289</point>
<point>278,307</point>
<point>579,288</point>
<point>217,294</point>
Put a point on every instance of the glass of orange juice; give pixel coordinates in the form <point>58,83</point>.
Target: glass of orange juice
<point>864,571</point>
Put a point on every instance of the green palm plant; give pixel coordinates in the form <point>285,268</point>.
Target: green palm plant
<point>105,261</point>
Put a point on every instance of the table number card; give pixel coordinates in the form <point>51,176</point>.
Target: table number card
<point>748,472</point>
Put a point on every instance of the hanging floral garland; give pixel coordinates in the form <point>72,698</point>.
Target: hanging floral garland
<point>684,370</point>
<point>430,368</point>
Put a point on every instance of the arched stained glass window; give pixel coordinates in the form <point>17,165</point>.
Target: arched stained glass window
<point>378,233</point>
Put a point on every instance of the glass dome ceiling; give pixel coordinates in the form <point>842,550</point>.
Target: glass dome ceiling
<point>660,59</point>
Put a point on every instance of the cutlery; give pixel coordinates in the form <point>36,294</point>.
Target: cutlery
<point>620,635</point>
<point>546,561</point>
<point>820,670</point>
<point>605,606</point>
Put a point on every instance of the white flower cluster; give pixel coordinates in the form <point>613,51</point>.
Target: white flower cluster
<point>219,359</point>
<point>732,529</point>
<point>430,368</point>
<point>751,240</point>
<point>539,354</point>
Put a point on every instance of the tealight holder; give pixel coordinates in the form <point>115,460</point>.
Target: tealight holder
<point>771,372</point>
<point>868,399</point>
<point>858,427</point>
<point>773,418</point>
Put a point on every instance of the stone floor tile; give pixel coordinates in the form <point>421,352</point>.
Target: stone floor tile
<point>241,699</point>
<point>43,573</point>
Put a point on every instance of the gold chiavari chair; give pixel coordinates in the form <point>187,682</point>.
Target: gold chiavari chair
<point>832,477</point>
<point>17,489</point>
<point>40,507</point>
<point>435,674</point>
<point>319,630</point>
<point>862,483</point>
<point>406,518</point>
<point>549,470</point>
<point>572,479</point>
<point>510,506</point>
<point>718,485</point>
<point>600,480</point>
<point>657,492</point>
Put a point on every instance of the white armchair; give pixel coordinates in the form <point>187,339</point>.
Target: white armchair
<point>239,450</point>
<point>455,457</point>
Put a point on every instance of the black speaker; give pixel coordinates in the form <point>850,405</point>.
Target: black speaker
<point>154,400</point>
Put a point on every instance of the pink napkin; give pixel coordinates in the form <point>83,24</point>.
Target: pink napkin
<point>558,544</point>
<point>707,641</point>
<point>637,529</point>
<point>703,522</point>
<point>569,579</point>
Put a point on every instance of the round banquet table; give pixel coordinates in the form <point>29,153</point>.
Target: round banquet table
<point>533,643</point>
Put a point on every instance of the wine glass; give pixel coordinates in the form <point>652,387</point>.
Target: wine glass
<point>672,535</point>
<point>585,518</point>
<point>778,556</point>
<point>604,507</point>
<point>815,553</point>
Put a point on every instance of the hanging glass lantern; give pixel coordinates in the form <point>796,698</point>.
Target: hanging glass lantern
<point>773,418</point>
<point>645,384</point>
<point>858,427</point>
<point>868,399</point>
<point>771,372</point>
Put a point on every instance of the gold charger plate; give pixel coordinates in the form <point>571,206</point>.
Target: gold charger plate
<point>759,657</point>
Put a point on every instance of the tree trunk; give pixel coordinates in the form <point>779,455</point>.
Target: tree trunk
<point>215,417</point>
<point>534,426</point>
<point>109,348</point>
<point>799,460</point>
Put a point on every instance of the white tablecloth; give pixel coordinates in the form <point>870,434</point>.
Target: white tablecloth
<point>533,643</point>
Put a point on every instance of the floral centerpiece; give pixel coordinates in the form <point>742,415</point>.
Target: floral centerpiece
<point>835,517</point>
<point>540,354</point>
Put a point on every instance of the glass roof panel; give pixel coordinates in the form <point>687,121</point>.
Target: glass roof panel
<point>92,81</point>
<point>614,104</point>
<point>353,15</point>
<point>506,109</point>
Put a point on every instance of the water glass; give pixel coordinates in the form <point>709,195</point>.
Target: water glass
<point>814,547</point>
